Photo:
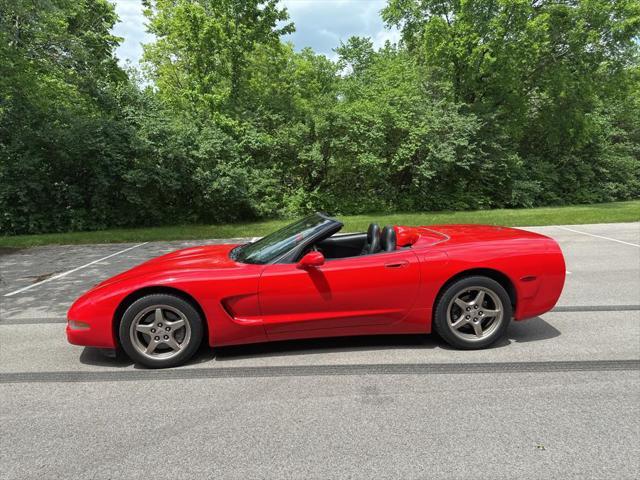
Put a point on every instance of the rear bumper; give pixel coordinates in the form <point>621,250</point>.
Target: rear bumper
<point>539,294</point>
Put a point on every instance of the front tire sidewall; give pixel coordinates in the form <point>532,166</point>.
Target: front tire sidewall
<point>440,322</point>
<point>191,314</point>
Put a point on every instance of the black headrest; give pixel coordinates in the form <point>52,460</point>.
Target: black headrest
<point>372,244</point>
<point>388,239</point>
<point>373,232</point>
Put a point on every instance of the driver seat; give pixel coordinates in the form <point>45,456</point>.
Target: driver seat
<point>372,244</point>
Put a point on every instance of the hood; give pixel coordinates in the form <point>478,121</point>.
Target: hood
<point>206,257</point>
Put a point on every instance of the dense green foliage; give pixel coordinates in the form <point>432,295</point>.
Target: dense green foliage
<point>503,103</point>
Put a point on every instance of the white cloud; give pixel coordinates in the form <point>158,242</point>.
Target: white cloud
<point>382,36</point>
<point>323,24</point>
<point>320,24</point>
<point>132,29</point>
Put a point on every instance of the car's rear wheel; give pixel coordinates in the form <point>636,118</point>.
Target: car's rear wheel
<point>473,313</point>
<point>160,330</point>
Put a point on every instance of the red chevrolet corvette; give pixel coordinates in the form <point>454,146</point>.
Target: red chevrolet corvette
<point>465,281</point>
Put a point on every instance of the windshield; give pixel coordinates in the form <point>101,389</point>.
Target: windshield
<point>281,241</point>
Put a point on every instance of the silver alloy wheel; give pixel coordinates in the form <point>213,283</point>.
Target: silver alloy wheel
<point>160,332</point>
<point>474,313</point>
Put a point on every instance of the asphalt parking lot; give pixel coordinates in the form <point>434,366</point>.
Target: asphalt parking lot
<point>559,398</point>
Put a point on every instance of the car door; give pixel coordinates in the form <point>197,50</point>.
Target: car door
<point>365,290</point>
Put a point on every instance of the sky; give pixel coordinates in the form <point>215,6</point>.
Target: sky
<point>320,24</point>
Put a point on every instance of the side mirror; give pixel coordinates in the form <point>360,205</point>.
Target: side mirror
<point>311,259</point>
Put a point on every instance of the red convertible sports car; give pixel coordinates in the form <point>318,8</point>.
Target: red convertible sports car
<point>466,282</point>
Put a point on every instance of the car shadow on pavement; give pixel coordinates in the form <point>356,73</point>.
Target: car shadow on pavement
<point>533,330</point>
<point>327,345</point>
<point>97,357</point>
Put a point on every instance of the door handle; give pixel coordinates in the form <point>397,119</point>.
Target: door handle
<point>396,264</point>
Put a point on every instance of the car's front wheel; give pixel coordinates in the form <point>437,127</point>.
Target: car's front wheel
<point>160,330</point>
<point>473,312</point>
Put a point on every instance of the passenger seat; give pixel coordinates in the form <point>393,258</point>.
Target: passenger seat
<point>388,239</point>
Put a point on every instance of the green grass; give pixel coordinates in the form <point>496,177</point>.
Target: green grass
<point>572,215</point>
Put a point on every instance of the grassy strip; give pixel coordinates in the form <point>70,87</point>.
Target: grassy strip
<point>572,215</point>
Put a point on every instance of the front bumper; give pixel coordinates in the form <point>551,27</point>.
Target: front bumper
<point>91,336</point>
<point>90,323</point>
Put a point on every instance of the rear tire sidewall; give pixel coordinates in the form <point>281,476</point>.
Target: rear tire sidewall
<point>440,322</point>
<point>191,314</point>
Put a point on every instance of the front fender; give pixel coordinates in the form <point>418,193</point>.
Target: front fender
<point>91,318</point>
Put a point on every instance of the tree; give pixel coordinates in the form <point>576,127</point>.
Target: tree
<point>356,54</point>
<point>536,73</point>
<point>482,104</point>
<point>202,47</point>
<point>57,121</point>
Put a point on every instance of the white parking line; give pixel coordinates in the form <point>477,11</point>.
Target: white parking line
<point>64,274</point>
<point>598,236</point>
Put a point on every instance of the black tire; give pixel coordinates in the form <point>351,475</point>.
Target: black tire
<point>466,290</point>
<point>174,311</point>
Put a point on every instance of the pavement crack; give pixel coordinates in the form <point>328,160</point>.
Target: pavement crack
<point>595,308</point>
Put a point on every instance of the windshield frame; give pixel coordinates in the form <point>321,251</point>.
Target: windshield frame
<point>329,226</point>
